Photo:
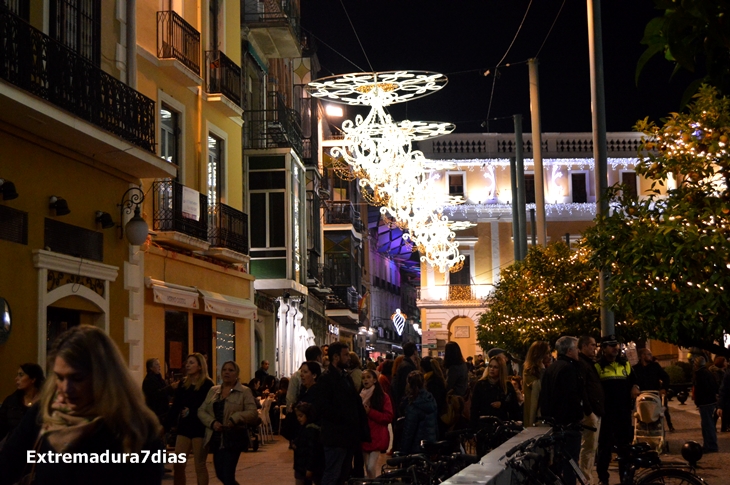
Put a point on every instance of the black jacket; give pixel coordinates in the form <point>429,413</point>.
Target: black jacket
<point>13,459</point>
<point>157,394</point>
<point>340,411</point>
<point>485,393</point>
<point>308,452</point>
<point>11,413</point>
<point>705,387</point>
<point>593,401</point>
<point>190,398</point>
<point>398,388</point>
<point>651,377</point>
<point>561,393</point>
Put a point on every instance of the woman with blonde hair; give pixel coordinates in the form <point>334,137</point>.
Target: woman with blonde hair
<point>493,394</point>
<point>184,414</point>
<point>89,405</point>
<point>531,378</point>
<point>225,412</point>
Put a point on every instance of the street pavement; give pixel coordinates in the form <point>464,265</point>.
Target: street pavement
<point>272,463</point>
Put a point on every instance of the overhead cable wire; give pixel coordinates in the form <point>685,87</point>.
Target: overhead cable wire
<point>494,80</point>
<point>334,50</point>
<point>551,29</point>
<point>358,37</point>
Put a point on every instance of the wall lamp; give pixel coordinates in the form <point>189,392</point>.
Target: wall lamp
<point>105,219</point>
<point>137,228</point>
<point>7,188</point>
<point>59,204</point>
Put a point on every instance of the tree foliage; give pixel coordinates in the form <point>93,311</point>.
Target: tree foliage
<point>553,292</point>
<point>669,253</point>
<point>695,35</point>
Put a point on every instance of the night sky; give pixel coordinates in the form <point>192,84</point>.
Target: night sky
<point>462,39</point>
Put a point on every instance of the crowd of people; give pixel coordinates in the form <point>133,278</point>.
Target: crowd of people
<point>340,414</point>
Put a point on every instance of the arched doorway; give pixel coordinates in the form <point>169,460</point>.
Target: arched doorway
<point>462,330</point>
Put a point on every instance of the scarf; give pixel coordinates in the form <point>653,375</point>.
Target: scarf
<point>67,426</point>
<point>366,394</point>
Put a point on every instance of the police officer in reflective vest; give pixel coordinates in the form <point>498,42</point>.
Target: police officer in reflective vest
<point>619,389</point>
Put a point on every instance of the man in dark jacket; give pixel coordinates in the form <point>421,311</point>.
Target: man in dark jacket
<point>593,403</point>
<point>409,364</point>
<point>156,391</point>
<point>651,377</point>
<point>561,397</point>
<point>705,397</point>
<point>342,416</point>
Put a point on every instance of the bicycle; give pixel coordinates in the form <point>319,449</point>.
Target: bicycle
<point>537,461</point>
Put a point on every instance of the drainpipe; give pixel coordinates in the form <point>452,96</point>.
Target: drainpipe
<point>132,43</point>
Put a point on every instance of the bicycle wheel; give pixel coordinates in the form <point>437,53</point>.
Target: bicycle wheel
<point>668,476</point>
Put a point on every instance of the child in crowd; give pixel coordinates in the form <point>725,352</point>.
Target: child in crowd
<point>308,451</point>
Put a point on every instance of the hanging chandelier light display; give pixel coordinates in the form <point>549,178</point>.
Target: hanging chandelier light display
<point>378,152</point>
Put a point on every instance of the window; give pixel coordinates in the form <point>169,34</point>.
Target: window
<point>215,169</point>
<point>215,25</point>
<point>170,135</point>
<point>267,220</point>
<point>21,8</point>
<point>463,276</point>
<point>456,184</point>
<point>77,25</point>
<point>176,341</point>
<point>203,339</point>
<point>628,180</point>
<point>225,341</point>
<point>529,188</point>
<point>580,194</point>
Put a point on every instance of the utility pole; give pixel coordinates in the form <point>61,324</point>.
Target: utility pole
<point>520,168</point>
<point>600,158</point>
<point>515,211</point>
<point>537,152</point>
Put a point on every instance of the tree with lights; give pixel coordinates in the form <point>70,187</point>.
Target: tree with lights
<point>669,253</point>
<point>553,292</point>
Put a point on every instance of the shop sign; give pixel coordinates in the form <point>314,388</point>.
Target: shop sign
<point>434,325</point>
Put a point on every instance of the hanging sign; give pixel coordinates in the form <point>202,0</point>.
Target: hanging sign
<point>190,203</point>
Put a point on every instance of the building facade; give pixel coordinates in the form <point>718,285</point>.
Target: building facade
<point>76,132</point>
<point>479,172</point>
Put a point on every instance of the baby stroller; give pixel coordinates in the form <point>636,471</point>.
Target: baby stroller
<point>649,421</point>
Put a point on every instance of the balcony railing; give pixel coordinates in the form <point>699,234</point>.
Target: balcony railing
<point>168,214</point>
<point>323,274</point>
<point>278,127</point>
<point>228,228</point>
<point>222,76</point>
<point>343,212</point>
<point>32,61</point>
<point>345,297</point>
<point>454,293</point>
<point>177,39</point>
<point>274,12</point>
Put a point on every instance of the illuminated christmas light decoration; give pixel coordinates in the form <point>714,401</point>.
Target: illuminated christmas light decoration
<point>399,321</point>
<point>379,153</point>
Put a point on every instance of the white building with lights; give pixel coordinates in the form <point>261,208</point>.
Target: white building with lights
<point>477,169</point>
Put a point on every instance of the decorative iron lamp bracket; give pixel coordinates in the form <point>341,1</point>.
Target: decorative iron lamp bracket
<point>136,229</point>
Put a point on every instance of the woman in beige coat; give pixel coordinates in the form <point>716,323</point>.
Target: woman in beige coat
<point>225,412</point>
<point>531,375</point>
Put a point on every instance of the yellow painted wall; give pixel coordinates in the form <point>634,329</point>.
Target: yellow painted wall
<point>38,173</point>
<point>467,344</point>
<point>184,270</point>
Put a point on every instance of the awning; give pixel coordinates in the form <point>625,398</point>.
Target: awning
<point>175,295</point>
<point>228,305</point>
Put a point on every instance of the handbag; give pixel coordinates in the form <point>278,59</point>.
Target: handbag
<point>235,437</point>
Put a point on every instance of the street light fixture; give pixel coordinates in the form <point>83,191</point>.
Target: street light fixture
<point>137,228</point>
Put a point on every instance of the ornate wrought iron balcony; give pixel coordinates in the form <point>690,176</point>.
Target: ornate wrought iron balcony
<point>177,39</point>
<point>276,26</point>
<point>228,228</point>
<point>279,127</point>
<point>168,213</point>
<point>222,76</point>
<point>34,62</point>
